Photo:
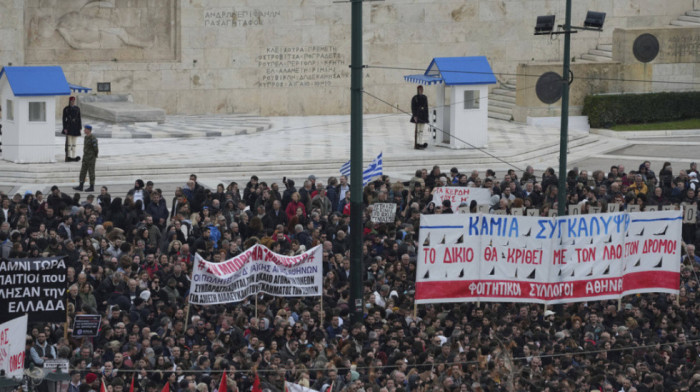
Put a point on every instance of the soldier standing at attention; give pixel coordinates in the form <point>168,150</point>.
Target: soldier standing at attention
<point>90,152</point>
<point>71,128</point>
<point>420,117</point>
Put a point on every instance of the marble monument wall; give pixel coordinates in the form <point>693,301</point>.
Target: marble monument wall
<point>288,57</point>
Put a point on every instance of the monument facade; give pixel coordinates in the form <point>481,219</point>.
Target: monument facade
<point>287,57</point>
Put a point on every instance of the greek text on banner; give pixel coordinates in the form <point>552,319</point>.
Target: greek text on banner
<point>480,257</point>
<point>460,194</point>
<point>257,270</point>
<point>33,286</point>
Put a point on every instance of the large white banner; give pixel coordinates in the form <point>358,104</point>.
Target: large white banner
<point>480,257</point>
<point>257,270</point>
<point>460,194</point>
<point>13,335</point>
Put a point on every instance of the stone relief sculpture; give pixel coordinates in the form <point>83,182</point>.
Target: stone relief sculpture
<point>84,30</point>
<point>100,30</point>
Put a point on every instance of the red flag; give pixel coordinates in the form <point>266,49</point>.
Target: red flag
<point>166,387</point>
<point>103,387</point>
<point>256,384</point>
<point>131,388</point>
<point>222,384</point>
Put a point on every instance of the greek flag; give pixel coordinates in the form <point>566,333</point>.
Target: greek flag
<point>373,170</point>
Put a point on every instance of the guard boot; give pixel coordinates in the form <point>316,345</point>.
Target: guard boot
<point>76,159</point>
<point>91,188</point>
<point>69,159</point>
<point>79,187</point>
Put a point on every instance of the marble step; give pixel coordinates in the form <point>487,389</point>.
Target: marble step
<point>592,57</point>
<point>693,13</point>
<point>606,47</point>
<point>502,98</point>
<point>502,104</point>
<point>500,116</point>
<point>682,23</point>
<point>600,52</point>
<point>501,109</point>
<point>502,91</point>
<point>690,18</point>
<point>224,172</point>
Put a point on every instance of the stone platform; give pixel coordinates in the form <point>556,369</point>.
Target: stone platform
<point>294,147</point>
<point>118,108</point>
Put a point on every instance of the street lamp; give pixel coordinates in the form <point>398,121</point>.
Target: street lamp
<point>545,25</point>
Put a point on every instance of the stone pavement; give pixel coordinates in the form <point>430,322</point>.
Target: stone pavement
<point>178,127</point>
<point>299,146</point>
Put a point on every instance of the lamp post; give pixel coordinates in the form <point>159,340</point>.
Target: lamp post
<point>356,287</point>
<point>545,25</point>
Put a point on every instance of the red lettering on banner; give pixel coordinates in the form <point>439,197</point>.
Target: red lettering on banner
<point>585,254</point>
<point>458,255</point>
<point>612,252</point>
<point>659,246</point>
<point>4,336</point>
<point>631,248</point>
<point>490,253</point>
<point>559,257</point>
<point>429,255</point>
<point>524,256</point>
<point>17,361</point>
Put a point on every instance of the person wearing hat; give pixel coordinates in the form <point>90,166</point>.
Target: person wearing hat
<point>71,128</point>
<point>90,153</point>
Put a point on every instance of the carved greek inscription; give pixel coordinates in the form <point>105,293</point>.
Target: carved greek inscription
<point>685,45</point>
<point>230,17</point>
<point>301,66</point>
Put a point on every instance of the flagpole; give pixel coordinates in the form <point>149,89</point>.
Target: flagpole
<point>187,311</point>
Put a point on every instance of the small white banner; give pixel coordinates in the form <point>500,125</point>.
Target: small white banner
<point>13,335</point>
<point>383,212</point>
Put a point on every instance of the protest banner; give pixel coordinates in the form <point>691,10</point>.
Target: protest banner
<point>86,325</point>
<point>60,365</point>
<point>690,212</point>
<point>480,257</point>
<point>458,195</point>
<point>257,270</point>
<point>33,286</point>
<point>13,335</point>
<point>383,212</point>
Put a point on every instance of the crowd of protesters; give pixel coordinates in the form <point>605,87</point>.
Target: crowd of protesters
<point>130,257</point>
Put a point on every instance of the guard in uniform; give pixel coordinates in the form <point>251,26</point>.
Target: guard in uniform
<point>90,152</point>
